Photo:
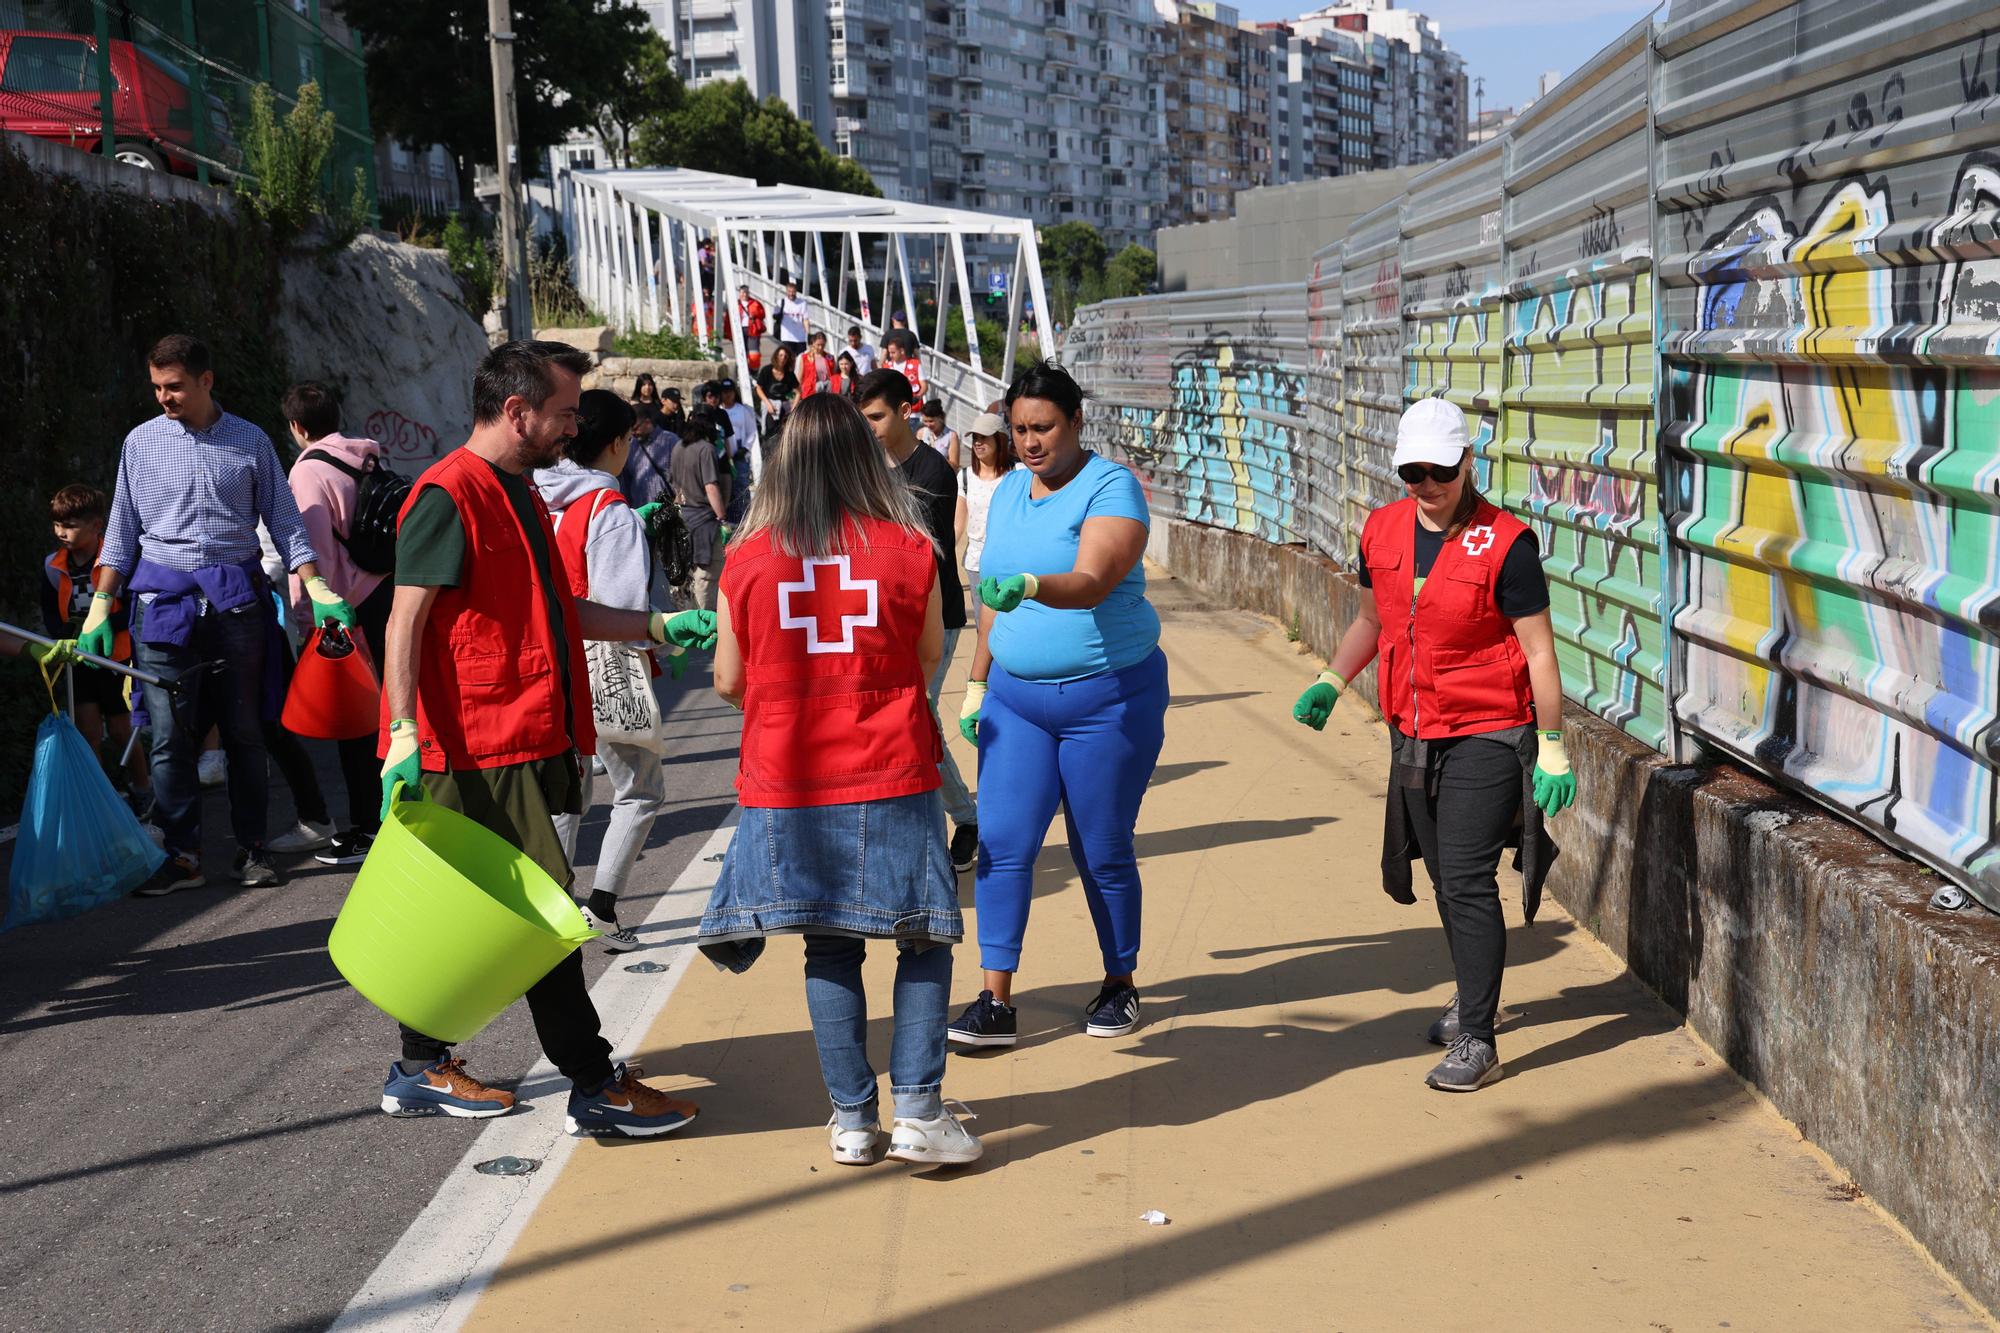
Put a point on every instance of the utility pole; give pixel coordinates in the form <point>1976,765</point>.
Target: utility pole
<point>506,132</point>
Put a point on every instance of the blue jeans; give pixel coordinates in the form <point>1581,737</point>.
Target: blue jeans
<point>1089,745</point>
<point>231,697</point>
<point>839,1008</point>
<point>957,800</point>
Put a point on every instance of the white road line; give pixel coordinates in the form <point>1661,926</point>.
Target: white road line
<point>436,1271</point>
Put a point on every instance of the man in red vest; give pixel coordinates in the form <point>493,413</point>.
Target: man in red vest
<point>486,704</point>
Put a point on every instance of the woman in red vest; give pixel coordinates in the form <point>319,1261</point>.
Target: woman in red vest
<point>829,627</point>
<point>1470,687</point>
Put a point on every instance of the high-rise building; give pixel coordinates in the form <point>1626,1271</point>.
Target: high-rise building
<point>1420,110</point>
<point>1218,77</point>
<point>1324,99</point>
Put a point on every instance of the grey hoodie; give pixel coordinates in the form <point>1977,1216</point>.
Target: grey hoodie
<point>620,562</point>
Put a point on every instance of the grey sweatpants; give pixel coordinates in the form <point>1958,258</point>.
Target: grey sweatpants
<point>638,788</point>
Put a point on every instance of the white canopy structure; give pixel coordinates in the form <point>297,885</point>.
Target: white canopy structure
<point>634,240</point>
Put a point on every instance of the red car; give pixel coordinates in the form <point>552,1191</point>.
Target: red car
<point>48,88</point>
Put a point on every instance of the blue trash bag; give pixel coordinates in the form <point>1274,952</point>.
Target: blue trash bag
<point>79,846</point>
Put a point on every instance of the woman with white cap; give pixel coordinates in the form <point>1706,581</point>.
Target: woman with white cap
<point>1469,684</point>
<point>992,459</point>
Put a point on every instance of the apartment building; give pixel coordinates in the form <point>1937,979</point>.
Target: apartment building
<point>1218,76</point>
<point>1420,98</point>
<point>1330,92</point>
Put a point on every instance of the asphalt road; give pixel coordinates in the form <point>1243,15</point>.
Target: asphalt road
<point>190,1090</point>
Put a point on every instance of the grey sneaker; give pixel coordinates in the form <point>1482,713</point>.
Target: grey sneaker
<point>1468,1066</point>
<point>1445,1031</point>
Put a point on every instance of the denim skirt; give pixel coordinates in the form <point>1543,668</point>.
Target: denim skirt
<point>873,869</point>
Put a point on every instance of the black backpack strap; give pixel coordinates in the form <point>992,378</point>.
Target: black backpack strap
<point>321,456</point>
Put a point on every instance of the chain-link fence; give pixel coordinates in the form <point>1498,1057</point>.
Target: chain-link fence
<point>166,84</point>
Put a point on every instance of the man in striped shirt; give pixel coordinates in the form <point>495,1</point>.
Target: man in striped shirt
<point>193,485</point>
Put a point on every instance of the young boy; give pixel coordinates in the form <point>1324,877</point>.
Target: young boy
<point>77,514</point>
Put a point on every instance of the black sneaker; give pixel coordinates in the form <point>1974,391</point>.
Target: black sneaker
<point>181,871</point>
<point>1114,1012</point>
<point>346,849</point>
<point>985,1022</point>
<point>965,847</point>
<point>1468,1066</point>
<point>1445,1030</point>
<point>252,868</point>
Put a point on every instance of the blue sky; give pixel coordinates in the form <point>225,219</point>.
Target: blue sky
<point>1509,42</point>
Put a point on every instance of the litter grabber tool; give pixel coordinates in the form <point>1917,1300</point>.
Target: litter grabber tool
<point>174,686</point>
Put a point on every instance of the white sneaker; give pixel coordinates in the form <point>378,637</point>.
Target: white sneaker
<point>940,1142</point>
<point>212,769</point>
<point>616,938</point>
<point>304,836</point>
<point>853,1147</point>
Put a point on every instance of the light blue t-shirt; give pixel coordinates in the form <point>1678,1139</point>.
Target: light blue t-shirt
<point>1029,536</point>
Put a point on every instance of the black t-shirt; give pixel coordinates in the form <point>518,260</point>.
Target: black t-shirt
<point>1523,589</point>
<point>430,553</point>
<point>781,390</point>
<point>926,473</point>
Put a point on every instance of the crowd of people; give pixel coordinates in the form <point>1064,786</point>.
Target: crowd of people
<point>521,596</point>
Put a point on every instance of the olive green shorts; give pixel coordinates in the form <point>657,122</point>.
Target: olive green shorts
<point>519,802</point>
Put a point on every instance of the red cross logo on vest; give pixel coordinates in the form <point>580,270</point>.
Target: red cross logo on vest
<point>829,605</point>
<point>1476,540</point>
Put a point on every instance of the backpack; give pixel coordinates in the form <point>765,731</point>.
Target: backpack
<point>379,493</point>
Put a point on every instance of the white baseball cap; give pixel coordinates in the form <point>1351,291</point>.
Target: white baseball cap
<point>988,424</point>
<point>1432,431</point>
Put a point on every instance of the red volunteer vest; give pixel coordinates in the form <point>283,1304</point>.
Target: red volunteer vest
<point>573,536</point>
<point>489,690</point>
<point>1450,664</point>
<point>835,707</point>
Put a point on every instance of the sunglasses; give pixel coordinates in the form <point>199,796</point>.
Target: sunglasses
<point>1415,474</point>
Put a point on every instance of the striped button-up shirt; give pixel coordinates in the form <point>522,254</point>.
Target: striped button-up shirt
<point>192,498</point>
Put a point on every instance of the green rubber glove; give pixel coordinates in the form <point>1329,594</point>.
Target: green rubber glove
<point>97,634</point>
<point>727,533</point>
<point>327,604</point>
<point>968,712</point>
<point>647,513</point>
<point>1315,706</point>
<point>1555,785</point>
<point>1006,594</point>
<point>402,771</point>
<point>51,657</point>
<point>677,663</point>
<point>686,629</point>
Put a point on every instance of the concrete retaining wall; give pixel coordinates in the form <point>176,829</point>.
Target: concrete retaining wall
<point>1799,947</point>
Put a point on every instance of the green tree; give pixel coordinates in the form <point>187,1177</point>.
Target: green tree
<point>722,127</point>
<point>430,78</point>
<point>285,159</point>
<point>1073,255</point>
<point>650,88</point>
<point>1131,272</point>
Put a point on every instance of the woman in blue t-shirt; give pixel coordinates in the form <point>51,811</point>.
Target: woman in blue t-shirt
<point>1067,701</point>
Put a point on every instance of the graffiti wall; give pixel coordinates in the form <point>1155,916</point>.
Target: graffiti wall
<point>1831,416</point>
<point>1784,544</point>
<point>1451,293</point>
<point>1204,394</point>
<point>1576,456</point>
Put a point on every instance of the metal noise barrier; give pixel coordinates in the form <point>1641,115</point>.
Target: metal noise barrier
<point>1720,311</point>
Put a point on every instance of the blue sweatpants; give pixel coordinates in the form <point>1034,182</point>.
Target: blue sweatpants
<point>1090,744</point>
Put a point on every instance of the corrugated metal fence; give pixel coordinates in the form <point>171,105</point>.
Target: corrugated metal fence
<point>1787,541</point>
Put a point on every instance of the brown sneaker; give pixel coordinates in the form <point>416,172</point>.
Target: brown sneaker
<point>626,1106</point>
<point>443,1088</point>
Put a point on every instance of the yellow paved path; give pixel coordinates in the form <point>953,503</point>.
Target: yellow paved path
<point>1272,1106</point>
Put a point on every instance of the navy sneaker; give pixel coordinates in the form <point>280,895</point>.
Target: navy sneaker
<point>442,1088</point>
<point>1114,1012</point>
<point>985,1022</point>
<point>626,1106</point>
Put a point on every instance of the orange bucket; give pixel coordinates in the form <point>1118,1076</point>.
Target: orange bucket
<point>334,695</point>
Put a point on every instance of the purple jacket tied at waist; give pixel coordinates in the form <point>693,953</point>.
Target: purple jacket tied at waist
<point>168,617</point>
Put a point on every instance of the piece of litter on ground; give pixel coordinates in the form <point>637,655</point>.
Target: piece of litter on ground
<point>739,1286</point>
<point>1153,1217</point>
<point>645,967</point>
<point>717,857</point>
<point>507,1166</point>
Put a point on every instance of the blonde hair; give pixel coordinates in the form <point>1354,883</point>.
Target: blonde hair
<point>825,473</point>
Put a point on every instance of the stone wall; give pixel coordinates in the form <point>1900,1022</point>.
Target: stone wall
<point>1800,948</point>
<point>385,323</point>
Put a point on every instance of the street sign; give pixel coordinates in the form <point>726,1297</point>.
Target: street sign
<point>996,282</point>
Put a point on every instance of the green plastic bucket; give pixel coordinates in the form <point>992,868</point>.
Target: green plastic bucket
<point>447,923</point>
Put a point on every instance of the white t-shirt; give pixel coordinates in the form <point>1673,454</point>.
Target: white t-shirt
<point>864,357</point>
<point>792,317</point>
<point>941,441</point>
<point>977,491</point>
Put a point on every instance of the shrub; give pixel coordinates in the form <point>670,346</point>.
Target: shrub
<point>286,162</point>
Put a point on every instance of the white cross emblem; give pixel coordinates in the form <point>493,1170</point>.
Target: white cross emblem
<point>1477,540</point>
<point>831,602</point>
